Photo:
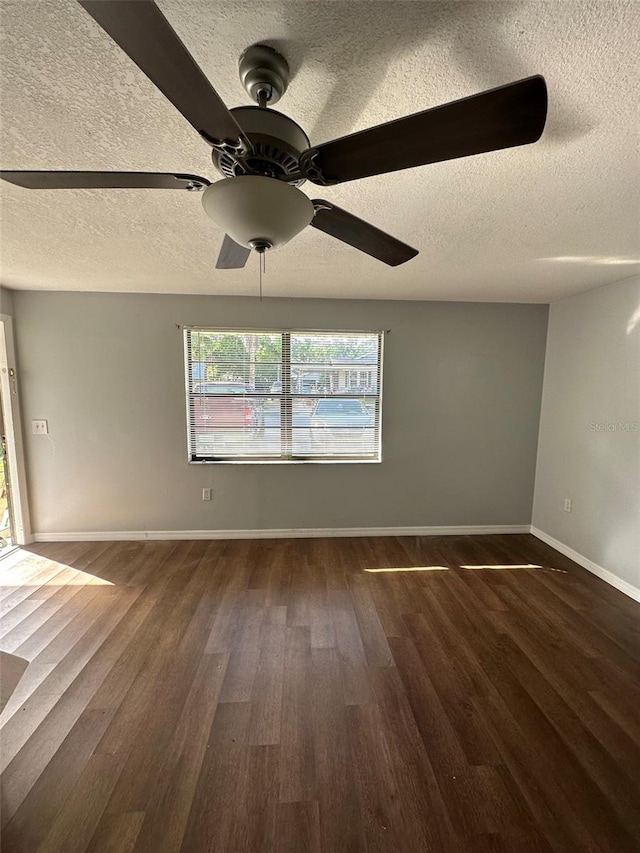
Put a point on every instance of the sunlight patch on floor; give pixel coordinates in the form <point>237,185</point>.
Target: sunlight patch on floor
<point>17,574</point>
<point>496,566</point>
<point>412,569</point>
<point>516,566</point>
<point>80,578</point>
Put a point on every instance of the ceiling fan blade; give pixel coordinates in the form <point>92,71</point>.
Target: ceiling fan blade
<point>104,180</point>
<point>232,256</point>
<point>145,35</point>
<point>360,234</point>
<point>500,118</point>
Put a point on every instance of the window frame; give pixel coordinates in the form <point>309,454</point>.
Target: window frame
<point>287,397</point>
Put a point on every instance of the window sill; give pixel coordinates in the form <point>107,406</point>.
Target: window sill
<point>284,461</point>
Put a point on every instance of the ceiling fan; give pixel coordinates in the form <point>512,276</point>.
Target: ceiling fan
<point>264,156</point>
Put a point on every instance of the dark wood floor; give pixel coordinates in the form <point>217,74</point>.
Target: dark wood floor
<point>279,696</point>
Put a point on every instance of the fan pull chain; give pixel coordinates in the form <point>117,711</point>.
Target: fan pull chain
<point>263,268</point>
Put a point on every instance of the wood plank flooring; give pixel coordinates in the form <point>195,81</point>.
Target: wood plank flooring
<point>446,694</point>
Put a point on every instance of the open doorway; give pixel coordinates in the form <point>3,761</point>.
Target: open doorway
<point>7,538</point>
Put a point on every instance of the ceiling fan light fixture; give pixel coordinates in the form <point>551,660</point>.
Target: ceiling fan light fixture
<point>254,210</point>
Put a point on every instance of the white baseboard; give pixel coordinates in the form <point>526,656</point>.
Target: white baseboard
<point>278,533</point>
<point>586,563</point>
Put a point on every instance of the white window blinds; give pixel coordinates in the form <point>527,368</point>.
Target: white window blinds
<point>283,395</point>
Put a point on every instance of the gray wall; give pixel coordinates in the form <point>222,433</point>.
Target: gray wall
<point>591,390</point>
<point>6,301</point>
<point>462,389</point>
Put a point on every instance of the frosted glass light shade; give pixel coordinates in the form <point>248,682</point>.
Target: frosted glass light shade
<point>254,208</point>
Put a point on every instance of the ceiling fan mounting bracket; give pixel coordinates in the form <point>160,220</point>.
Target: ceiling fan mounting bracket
<point>264,74</point>
<point>192,183</point>
<point>312,171</point>
<point>227,146</point>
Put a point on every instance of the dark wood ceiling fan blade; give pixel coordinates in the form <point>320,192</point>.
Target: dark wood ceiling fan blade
<point>104,180</point>
<point>232,256</point>
<point>145,35</point>
<point>499,118</point>
<point>361,235</point>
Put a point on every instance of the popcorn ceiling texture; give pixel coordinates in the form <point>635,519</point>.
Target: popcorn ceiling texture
<point>491,227</point>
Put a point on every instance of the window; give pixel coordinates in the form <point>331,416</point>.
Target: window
<point>283,396</point>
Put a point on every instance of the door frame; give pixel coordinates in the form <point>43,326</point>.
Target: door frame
<point>13,430</point>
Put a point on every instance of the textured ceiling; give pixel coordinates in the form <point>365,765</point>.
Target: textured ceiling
<point>531,224</point>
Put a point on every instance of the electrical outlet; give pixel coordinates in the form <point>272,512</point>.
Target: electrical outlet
<point>39,427</point>
<point>206,494</point>
<point>567,504</point>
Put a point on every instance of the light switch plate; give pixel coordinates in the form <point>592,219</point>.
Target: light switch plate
<point>39,427</point>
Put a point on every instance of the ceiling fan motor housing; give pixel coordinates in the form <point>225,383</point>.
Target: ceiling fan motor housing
<point>277,144</point>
